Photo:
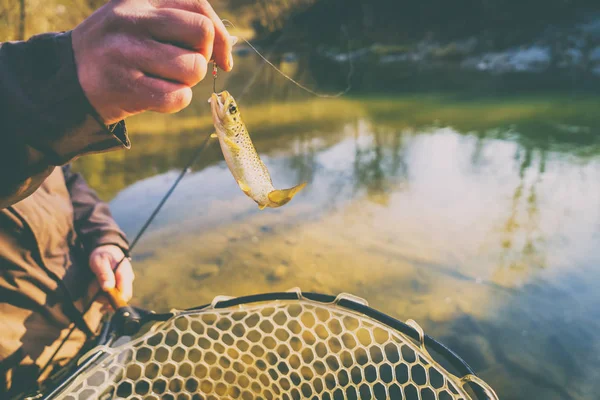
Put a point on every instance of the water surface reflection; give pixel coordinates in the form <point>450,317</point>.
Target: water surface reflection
<point>477,218</point>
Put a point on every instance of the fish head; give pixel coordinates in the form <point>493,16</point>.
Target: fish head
<point>224,109</point>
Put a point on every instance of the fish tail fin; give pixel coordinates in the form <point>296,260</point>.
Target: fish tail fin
<point>282,197</point>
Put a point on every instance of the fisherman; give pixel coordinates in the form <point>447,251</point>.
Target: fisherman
<point>65,95</point>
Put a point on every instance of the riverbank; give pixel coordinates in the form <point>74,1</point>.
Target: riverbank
<point>163,143</point>
<point>453,109</point>
<point>487,46</point>
<point>573,48</point>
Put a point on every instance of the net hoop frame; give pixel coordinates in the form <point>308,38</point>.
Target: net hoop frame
<point>345,302</point>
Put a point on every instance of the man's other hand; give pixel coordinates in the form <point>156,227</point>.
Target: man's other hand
<point>103,261</point>
<point>146,55</point>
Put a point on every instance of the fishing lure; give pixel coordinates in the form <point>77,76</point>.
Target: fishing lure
<point>250,173</point>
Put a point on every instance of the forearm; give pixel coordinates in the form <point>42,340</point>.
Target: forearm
<point>93,220</point>
<point>45,117</point>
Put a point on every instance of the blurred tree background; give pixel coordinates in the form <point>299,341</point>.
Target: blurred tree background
<point>20,19</point>
<point>23,18</point>
<point>462,38</point>
<point>504,21</point>
<point>501,22</point>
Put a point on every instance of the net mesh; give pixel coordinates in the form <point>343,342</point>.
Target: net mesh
<point>278,350</point>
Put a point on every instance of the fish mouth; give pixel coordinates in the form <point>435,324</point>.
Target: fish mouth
<point>218,104</point>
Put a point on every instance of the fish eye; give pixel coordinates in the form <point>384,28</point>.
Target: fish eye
<point>232,109</point>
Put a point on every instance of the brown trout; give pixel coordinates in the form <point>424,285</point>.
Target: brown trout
<point>241,157</point>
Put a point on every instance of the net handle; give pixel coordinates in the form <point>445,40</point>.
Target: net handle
<point>128,320</point>
<point>115,297</point>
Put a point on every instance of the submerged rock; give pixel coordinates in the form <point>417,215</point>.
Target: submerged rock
<point>291,241</point>
<point>204,271</point>
<point>278,273</point>
<point>266,229</point>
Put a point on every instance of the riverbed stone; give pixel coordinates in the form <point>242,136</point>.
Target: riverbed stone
<point>204,271</point>
<point>279,273</point>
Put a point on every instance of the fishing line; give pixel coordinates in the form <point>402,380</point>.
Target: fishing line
<point>187,168</point>
<point>301,86</point>
<point>133,244</point>
<point>259,70</point>
<point>214,74</point>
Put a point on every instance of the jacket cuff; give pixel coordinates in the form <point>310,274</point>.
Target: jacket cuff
<point>65,125</point>
<point>113,238</point>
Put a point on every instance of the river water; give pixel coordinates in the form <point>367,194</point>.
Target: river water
<point>476,216</point>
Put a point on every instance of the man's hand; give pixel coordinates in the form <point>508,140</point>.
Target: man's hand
<point>103,261</point>
<point>145,55</point>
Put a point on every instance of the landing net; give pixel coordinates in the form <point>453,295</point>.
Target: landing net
<point>289,346</point>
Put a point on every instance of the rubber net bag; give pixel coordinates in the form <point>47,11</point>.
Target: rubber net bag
<point>282,348</point>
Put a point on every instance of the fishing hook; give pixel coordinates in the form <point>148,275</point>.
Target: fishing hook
<point>214,74</point>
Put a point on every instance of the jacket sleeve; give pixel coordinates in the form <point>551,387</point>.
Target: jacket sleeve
<point>45,117</point>
<point>93,220</point>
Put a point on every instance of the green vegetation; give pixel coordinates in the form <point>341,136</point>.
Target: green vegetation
<point>386,21</point>
<point>267,16</point>
<point>474,114</point>
<point>505,22</point>
<point>164,142</point>
<point>21,19</point>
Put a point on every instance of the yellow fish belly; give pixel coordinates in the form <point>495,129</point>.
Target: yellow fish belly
<point>250,173</point>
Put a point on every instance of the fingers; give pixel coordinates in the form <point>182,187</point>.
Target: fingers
<point>112,270</point>
<point>169,62</point>
<point>101,266</point>
<point>222,40</point>
<point>190,30</point>
<point>119,84</point>
<point>162,96</point>
<point>124,277</point>
<point>103,300</point>
<point>142,92</point>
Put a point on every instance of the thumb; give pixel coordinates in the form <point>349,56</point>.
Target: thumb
<point>102,268</point>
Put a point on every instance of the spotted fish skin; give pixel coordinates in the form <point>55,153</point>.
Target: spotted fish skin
<point>250,173</point>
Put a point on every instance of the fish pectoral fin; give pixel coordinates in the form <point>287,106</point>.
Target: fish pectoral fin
<point>214,135</point>
<point>232,145</point>
<point>245,188</point>
<point>261,206</point>
<point>282,197</point>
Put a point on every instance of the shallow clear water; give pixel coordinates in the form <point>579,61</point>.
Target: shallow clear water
<point>477,217</point>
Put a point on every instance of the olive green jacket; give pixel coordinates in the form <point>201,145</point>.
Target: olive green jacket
<point>49,218</point>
